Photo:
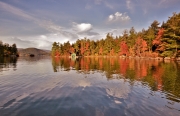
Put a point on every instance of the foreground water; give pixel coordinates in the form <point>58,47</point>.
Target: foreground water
<point>89,87</point>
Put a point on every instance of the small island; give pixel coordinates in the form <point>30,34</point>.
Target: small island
<point>7,50</point>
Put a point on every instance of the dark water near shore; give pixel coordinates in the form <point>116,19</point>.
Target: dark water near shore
<point>43,86</point>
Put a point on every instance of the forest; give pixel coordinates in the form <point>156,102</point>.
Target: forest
<point>156,41</point>
<point>8,50</point>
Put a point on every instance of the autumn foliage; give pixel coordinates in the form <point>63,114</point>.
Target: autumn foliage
<point>123,48</point>
<point>156,41</point>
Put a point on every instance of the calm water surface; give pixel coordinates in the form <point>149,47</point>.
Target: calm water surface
<point>89,87</point>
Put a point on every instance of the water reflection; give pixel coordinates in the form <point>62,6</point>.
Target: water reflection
<point>7,63</point>
<point>33,59</point>
<point>158,75</point>
<point>90,86</point>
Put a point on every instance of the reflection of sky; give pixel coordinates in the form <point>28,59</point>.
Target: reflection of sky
<point>48,85</point>
<point>118,89</point>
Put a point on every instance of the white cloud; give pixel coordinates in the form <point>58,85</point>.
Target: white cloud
<point>41,41</point>
<point>118,17</point>
<point>82,27</point>
<point>111,17</point>
<point>43,36</point>
<point>57,32</point>
<point>117,14</point>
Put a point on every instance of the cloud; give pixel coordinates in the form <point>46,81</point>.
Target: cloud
<point>56,29</point>
<point>39,41</point>
<point>25,43</point>
<point>15,11</point>
<point>84,29</point>
<point>118,17</point>
<point>111,17</point>
<point>48,25</point>
<point>62,35</point>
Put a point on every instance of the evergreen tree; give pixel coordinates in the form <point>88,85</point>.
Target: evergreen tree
<point>171,38</point>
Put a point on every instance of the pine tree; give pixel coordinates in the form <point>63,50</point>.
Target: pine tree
<point>171,37</point>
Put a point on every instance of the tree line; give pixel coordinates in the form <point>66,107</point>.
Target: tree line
<point>158,40</point>
<point>7,50</point>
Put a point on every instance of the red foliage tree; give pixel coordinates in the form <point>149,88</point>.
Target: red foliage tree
<point>157,41</point>
<point>87,46</point>
<point>123,48</point>
<point>140,46</point>
<point>144,46</point>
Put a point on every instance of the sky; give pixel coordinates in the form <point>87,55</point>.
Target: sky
<point>39,23</point>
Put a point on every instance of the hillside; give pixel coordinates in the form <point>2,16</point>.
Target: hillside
<point>34,51</point>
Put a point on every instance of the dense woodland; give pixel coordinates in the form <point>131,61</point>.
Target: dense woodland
<point>7,50</point>
<point>157,41</point>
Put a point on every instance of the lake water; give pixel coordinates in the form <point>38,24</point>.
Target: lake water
<point>44,86</point>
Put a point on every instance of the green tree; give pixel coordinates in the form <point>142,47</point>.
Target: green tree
<point>150,36</point>
<point>171,37</point>
<point>14,49</point>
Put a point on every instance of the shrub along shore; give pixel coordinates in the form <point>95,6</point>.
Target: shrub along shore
<point>8,50</point>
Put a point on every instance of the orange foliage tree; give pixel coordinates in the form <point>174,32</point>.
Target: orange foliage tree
<point>157,42</point>
<point>140,46</point>
<point>123,48</point>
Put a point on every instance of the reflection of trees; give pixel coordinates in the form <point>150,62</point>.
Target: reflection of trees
<point>7,62</point>
<point>157,74</point>
<point>61,63</point>
<point>171,79</point>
